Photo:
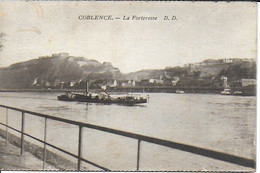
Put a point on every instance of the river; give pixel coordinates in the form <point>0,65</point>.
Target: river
<point>217,122</point>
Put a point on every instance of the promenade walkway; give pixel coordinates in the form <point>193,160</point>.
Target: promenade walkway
<point>10,159</point>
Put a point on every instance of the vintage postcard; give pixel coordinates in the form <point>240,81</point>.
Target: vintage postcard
<point>128,86</point>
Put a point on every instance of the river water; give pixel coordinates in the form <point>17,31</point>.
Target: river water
<point>217,122</point>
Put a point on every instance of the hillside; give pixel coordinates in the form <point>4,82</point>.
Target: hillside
<point>55,70</point>
<point>210,73</point>
<point>64,71</point>
<point>144,74</point>
<point>206,73</point>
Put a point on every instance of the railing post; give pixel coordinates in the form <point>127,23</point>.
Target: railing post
<point>79,147</point>
<point>22,132</point>
<point>138,154</point>
<point>6,123</point>
<point>44,146</point>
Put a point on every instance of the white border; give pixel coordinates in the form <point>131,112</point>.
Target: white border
<point>257,118</point>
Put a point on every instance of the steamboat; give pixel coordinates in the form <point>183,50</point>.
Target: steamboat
<point>105,98</point>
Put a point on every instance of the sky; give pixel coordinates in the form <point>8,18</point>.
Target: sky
<point>203,30</point>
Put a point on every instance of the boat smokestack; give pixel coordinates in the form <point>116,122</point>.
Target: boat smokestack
<point>86,87</point>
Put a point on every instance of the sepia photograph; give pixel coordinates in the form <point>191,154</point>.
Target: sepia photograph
<point>128,86</point>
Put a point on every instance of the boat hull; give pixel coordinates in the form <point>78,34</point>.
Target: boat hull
<point>89,99</point>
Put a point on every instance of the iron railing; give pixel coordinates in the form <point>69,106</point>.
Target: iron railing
<point>174,145</point>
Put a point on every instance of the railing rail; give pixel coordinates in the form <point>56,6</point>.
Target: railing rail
<point>174,145</point>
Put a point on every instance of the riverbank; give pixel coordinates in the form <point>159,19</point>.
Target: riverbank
<point>146,89</point>
<point>10,159</point>
<point>35,154</point>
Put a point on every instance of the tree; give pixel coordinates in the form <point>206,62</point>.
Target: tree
<point>2,35</point>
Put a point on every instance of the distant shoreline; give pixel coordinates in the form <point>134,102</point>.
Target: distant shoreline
<point>146,89</point>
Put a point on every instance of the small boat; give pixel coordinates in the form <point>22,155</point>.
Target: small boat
<point>239,93</point>
<point>226,92</point>
<point>179,92</point>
